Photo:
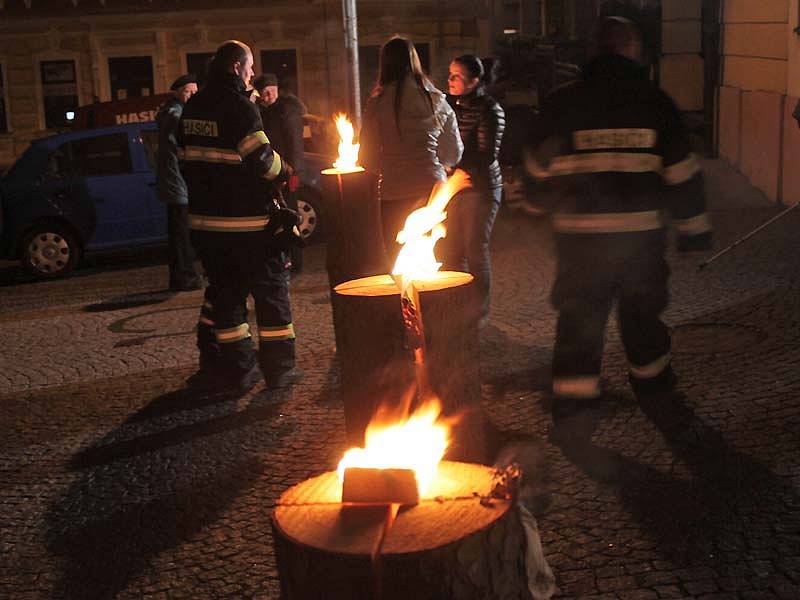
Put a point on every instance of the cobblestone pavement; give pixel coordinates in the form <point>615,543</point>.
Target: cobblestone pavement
<point>117,482</point>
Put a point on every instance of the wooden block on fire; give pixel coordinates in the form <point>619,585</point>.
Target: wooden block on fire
<point>380,486</point>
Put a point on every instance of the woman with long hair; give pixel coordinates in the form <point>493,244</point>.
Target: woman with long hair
<point>471,214</point>
<point>408,138</point>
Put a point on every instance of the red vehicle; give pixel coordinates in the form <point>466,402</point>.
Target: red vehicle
<point>118,112</point>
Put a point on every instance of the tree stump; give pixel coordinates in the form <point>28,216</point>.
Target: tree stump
<point>376,366</point>
<point>459,542</point>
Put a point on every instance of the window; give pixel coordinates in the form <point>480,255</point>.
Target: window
<point>59,91</point>
<point>369,62</point>
<point>284,64</point>
<point>97,156</point>
<point>3,113</point>
<point>130,77</point>
<point>197,65</point>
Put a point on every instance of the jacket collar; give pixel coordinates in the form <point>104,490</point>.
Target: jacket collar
<point>230,81</point>
<point>471,97</point>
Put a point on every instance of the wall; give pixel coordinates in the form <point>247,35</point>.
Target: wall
<point>756,132</point>
<point>681,65</point>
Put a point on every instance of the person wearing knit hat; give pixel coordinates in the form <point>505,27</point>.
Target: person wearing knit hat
<point>171,188</point>
<point>282,115</point>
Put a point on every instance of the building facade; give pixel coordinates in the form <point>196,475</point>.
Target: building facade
<point>759,91</point>
<point>731,65</point>
<point>59,54</point>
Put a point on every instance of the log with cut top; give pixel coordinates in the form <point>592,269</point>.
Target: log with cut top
<point>463,540</point>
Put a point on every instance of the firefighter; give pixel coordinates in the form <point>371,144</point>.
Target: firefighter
<point>239,230</point>
<point>612,147</point>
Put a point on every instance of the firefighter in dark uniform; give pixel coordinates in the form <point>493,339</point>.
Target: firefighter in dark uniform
<point>614,153</point>
<point>238,229</point>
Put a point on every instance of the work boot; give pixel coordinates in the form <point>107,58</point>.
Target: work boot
<point>246,381</point>
<point>285,379</point>
<point>663,383</point>
<point>219,381</point>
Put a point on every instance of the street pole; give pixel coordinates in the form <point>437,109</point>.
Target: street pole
<point>746,237</point>
<point>351,47</point>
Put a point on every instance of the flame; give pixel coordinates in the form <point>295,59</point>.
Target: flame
<point>348,151</point>
<point>417,442</point>
<point>423,228</point>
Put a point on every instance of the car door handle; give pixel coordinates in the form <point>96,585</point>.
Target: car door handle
<point>152,184</point>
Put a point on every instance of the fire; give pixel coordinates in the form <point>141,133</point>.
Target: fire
<point>417,442</point>
<point>423,228</point>
<point>347,161</point>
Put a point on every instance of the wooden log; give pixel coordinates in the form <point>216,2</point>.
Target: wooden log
<point>354,245</point>
<point>355,239</point>
<point>376,367</point>
<point>458,543</point>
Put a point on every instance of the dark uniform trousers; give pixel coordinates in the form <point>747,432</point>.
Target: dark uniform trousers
<point>620,163</point>
<point>236,269</point>
<point>593,270</point>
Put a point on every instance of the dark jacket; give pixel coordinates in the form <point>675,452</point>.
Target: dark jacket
<point>227,161</point>
<point>169,182</point>
<point>481,122</point>
<point>283,124</point>
<point>617,157</point>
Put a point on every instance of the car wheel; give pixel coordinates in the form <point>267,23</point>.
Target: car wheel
<point>309,209</point>
<point>50,250</point>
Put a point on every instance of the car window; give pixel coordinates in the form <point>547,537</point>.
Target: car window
<point>150,143</point>
<point>102,155</point>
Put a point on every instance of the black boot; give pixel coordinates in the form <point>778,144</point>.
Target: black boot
<point>663,383</point>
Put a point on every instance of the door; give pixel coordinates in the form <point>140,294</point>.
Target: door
<point>117,194</point>
<point>145,162</point>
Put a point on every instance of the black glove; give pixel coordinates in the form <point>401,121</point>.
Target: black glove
<point>695,243</point>
<point>282,227</point>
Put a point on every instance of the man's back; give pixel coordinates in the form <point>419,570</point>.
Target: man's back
<point>215,127</point>
<point>609,139</point>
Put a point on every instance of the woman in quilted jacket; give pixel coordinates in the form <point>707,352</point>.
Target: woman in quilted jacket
<point>471,214</point>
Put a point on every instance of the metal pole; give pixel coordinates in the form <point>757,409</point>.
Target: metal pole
<point>746,237</point>
<point>351,47</point>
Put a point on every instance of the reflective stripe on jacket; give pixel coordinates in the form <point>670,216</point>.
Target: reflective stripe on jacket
<point>616,156</point>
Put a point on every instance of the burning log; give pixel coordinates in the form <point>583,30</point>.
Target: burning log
<point>463,540</point>
<point>355,238</point>
<point>377,365</point>
<point>355,241</point>
<point>387,346</point>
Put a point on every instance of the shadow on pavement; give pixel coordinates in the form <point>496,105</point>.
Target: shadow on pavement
<point>731,508</point>
<point>125,507</point>
<point>131,301</point>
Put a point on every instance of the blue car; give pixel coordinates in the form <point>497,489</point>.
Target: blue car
<point>94,190</point>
